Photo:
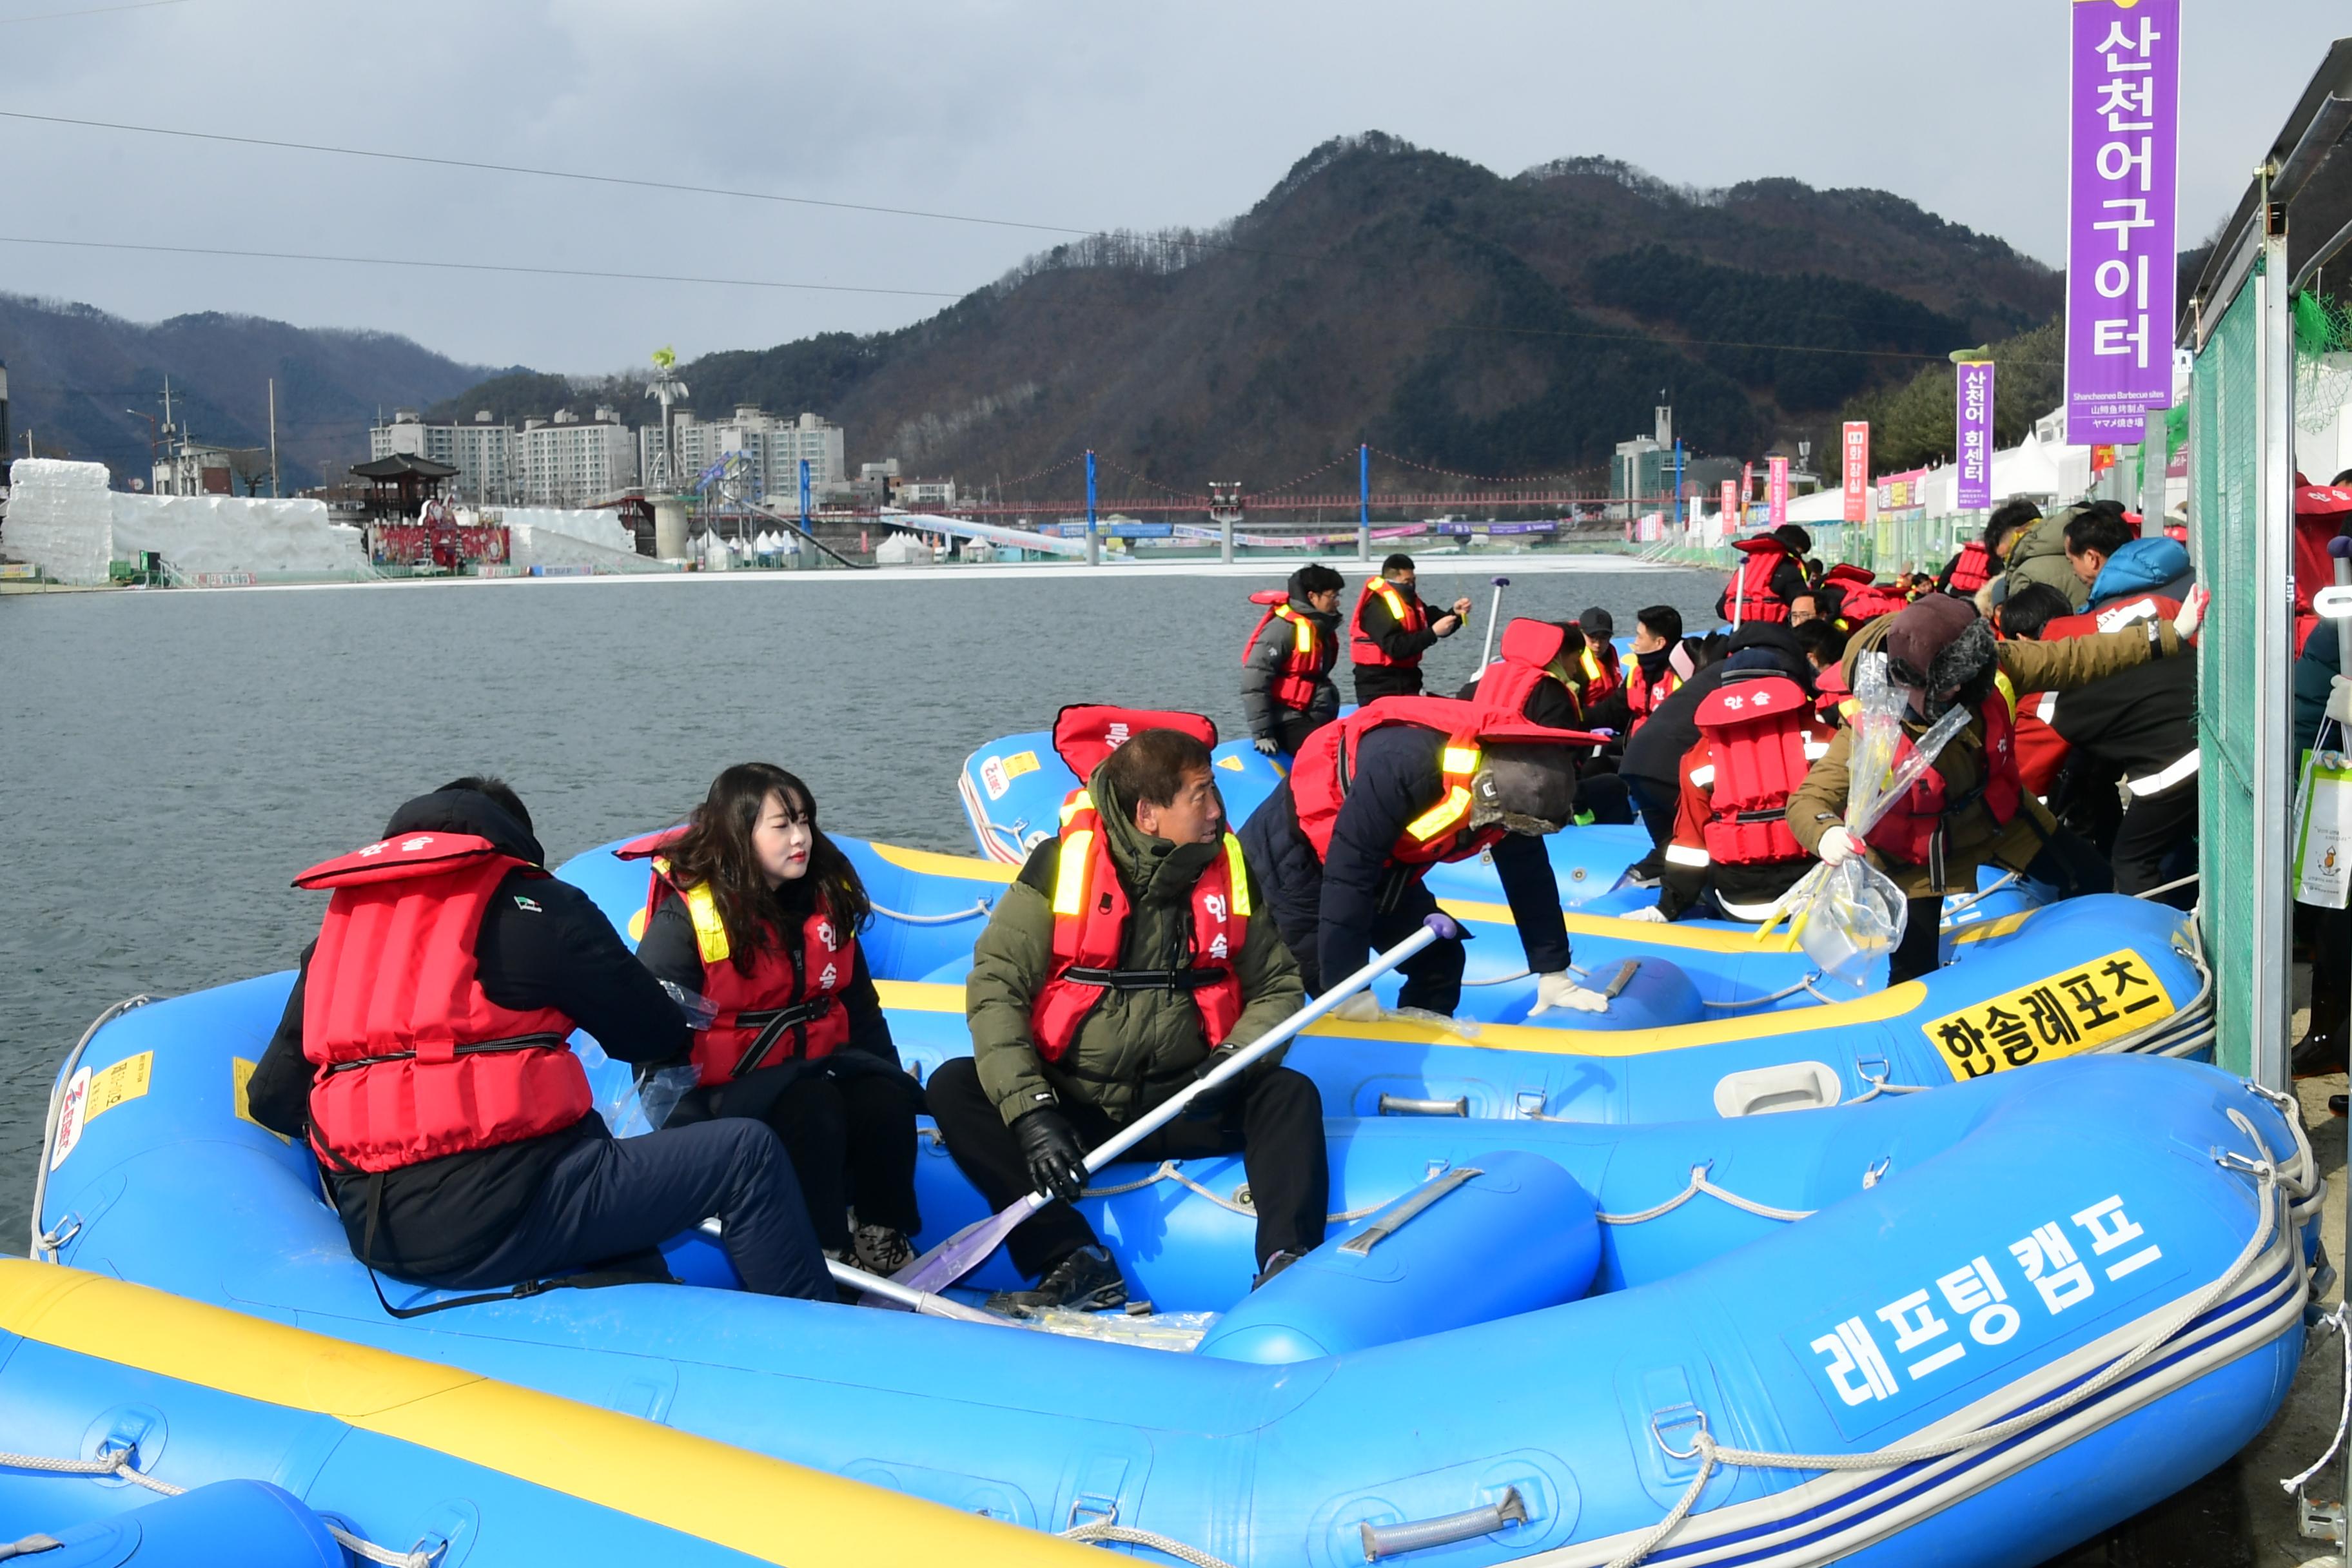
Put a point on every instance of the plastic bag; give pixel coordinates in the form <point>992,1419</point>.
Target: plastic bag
<point>1852,913</point>
<point>644,1100</point>
<point>2323,821</point>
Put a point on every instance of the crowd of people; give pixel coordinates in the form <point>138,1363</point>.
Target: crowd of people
<point>424,1049</point>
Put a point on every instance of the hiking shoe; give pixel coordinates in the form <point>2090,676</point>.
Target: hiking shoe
<point>882,1250</point>
<point>1085,1281</point>
<point>1274,1266</point>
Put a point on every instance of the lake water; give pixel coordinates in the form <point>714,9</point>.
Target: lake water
<point>168,761</point>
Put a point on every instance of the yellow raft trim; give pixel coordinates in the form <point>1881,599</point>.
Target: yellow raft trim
<point>770,1509</point>
<point>922,997</point>
<point>931,863</point>
<point>1691,939</point>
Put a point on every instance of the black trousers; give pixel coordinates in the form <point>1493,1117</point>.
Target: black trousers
<point>2156,829</point>
<point>1274,1119</point>
<point>2066,861</point>
<point>851,1137</point>
<point>1432,977</point>
<point>1292,726</point>
<point>612,1198</point>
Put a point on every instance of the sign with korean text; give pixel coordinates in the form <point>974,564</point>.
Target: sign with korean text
<point>2122,157</point>
<point>1855,466</point>
<point>1730,501</point>
<point>89,1095</point>
<point>1776,489</point>
<point>1972,438</point>
<point>2079,1010</point>
<point>1905,491</point>
<point>1747,489</point>
<point>1879,1356</point>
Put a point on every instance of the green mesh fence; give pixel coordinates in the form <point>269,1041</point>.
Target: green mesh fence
<point>2223,465</point>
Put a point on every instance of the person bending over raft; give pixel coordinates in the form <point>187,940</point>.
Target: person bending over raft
<point>1287,688</point>
<point>756,911</point>
<point>1383,795</point>
<point>424,1053</point>
<point>1393,628</point>
<point>1129,954</point>
<point>1972,805</point>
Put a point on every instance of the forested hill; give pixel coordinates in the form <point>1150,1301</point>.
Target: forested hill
<point>1386,293</point>
<point>76,375</point>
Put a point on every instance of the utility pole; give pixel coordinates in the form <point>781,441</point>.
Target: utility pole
<point>273,436</point>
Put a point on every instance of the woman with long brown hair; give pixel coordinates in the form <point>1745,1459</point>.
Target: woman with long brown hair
<point>755,912</point>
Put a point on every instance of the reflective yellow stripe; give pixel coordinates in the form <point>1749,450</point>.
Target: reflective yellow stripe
<point>1237,873</point>
<point>1440,817</point>
<point>1070,878</point>
<point>1302,637</point>
<point>1592,665</point>
<point>1459,761</point>
<point>770,1510</point>
<point>709,931</point>
<point>1079,801</point>
<point>2008,692</point>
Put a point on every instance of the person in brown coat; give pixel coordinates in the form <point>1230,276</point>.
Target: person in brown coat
<point>1970,806</point>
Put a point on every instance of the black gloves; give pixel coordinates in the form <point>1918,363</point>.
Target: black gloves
<point>1266,745</point>
<point>1057,1164</point>
<point>1213,1102</point>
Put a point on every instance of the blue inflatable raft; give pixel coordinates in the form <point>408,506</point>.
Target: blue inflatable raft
<point>288,1445</point>
<point>1703,1021</point>
<point>2008,1314</point>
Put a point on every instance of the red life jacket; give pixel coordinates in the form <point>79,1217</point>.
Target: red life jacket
<point>1908,832</point>
<point>788,1007</point>
<point>1319,779</point>
<point>1406,610</point>
<point>1751,597</point>
<point>414,1061</point>
<point>1295,687</point>
<point>1528,649</point>
<point>1090,914</point>
<point>1642,697</point>
<point>1086,733</point>
<point>1598,665</point>
<point>1972,568</point>
<point>1760,738</point>
<point>1863,598</point>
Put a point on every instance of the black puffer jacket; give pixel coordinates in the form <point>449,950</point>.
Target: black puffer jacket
<point>1267,659</point>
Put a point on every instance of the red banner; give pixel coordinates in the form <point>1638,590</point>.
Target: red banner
<point>1855,467</point>
<point>443,545</point>
<point>1730,501</point>
<point>1776,490</point>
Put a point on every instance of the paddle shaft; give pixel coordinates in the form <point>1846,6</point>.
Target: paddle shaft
<point>966,1250</point>
<point>1494,617</point>
<point>889,1290</point>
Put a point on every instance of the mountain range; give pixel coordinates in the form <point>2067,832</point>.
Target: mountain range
<point>1454,317</point>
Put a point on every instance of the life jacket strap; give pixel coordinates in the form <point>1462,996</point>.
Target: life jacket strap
<point>772,1022</point>
<point>1143,979</point>
<point>471,1049</point>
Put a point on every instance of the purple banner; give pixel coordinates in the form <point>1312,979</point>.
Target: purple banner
<point>1972,438</point>
<point>2122,158</point>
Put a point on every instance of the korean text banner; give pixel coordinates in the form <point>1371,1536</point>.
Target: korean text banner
<point>1776,489</point>
<point>2122,156</point>
<point>1855,466</point>
<point>1972,438</point>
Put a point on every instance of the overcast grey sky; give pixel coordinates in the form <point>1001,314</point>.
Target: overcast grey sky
<point>1061,114</point>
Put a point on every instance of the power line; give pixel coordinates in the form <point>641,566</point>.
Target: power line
<point>475,267</point>
<point>1695,343</point>
<point>622,180</point>
<point>89,11</point>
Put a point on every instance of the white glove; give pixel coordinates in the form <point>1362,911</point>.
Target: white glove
<point>1559,991</point>
<point>2193,612</point>
<point>1363,1007</point>
<point>1649,915</point>
<point>1837,846</point>
<point>2339,699</point>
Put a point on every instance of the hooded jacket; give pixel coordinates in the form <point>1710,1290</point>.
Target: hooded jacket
<point>2157,566</point>
<point>1269,655</point>
<point>1974,836</point>
<point>542,943</point>
<point>1136,1048</point>
<point>1653,757</point>
<point>2040,556</point>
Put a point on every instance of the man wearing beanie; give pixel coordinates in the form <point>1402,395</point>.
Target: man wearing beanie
<point>1972,805</point>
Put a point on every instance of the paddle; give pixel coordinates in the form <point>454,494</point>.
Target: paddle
<point>1494,617</point>
<point>968,1249</point>
<point>889,1290</point>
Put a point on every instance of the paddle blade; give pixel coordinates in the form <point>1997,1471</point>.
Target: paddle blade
<point>964,1251</point>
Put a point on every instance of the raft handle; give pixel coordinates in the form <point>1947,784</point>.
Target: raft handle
<point>1419,1535</point>
<point>1404,1105</point>
<point>1402,1215</point>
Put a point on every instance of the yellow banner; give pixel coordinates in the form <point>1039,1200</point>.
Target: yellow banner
<point>2061,1015</point>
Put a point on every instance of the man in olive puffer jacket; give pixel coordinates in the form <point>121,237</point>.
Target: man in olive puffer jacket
<point>1017,1123</point>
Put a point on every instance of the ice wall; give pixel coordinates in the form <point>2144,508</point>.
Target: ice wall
<point>600,526</point>
<point>529,545</point>
<point>60,518</point>
<point>238,534</point>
